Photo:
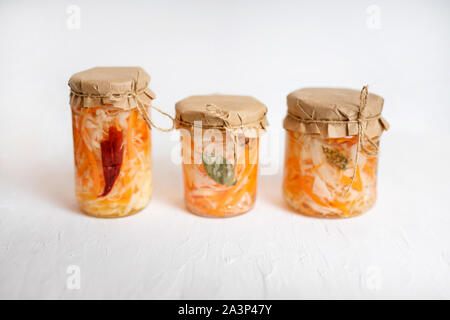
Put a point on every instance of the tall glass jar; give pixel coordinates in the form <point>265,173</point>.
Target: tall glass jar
<point>329,172</point>
<point>112,141</point>
<point>220,157</point>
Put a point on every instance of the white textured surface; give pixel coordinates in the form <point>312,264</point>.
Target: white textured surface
<point>400,249</point>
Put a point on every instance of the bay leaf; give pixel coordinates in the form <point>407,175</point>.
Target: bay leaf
<point>219,170</point>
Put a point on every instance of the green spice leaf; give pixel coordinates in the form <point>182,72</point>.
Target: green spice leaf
<point>219,170</point>
<point>335,158</point>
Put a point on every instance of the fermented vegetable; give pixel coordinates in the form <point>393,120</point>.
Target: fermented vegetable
<point>113,174</point>
<point>319,172</point>
<point>220,185</point>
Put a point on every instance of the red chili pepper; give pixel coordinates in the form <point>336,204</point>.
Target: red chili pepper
<point>112,155</point>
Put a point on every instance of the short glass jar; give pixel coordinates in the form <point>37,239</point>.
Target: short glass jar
<point>219,156</point>
<point>112,141</point>
<point>330,165</point>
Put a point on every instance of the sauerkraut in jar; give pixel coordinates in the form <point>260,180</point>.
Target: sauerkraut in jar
<point>112,141</point>
<point>113,173</point>
<point>332,145</point>
<point>220,141</point>
<point>222,184</point>
<point>319,172</point>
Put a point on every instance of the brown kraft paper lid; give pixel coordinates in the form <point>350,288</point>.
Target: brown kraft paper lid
<point>230,112</point>
<point>335,112</point>
<point>119,87</point>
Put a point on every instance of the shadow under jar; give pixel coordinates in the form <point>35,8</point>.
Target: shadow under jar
<point>332,143</point>
<point>220,142</point>
<point>112,141</point>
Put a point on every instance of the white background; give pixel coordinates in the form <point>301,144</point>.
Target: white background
<point>400,249</point>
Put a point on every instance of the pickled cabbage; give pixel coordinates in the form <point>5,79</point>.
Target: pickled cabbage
<point>111,185</point>
<point>318,174</point>
<point>208,195</point>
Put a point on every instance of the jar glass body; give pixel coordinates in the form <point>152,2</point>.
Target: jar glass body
<point>112,150</point>
<point>318,173</point>
<point>207,192</point>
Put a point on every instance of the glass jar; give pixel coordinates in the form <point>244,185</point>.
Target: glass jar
<point>220,186</point>
<point>112,141</point>
<point>318,173</point>
<point>332,142</point>
<point>220,142</point>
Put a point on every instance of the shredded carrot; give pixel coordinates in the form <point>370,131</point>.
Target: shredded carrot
<point>93,169</point>
<point>317,167</point>
<point>370,167</point>
<point>130,147</point>
<point>357,184</point>
<point>306,188</point>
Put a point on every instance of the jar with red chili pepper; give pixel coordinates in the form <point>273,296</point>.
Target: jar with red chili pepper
<point>112,140</point>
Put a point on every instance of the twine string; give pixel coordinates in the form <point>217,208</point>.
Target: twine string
<point>362,135</point>
<point>221,114</point>
<point>144,114</point>
<point>140,105</point>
